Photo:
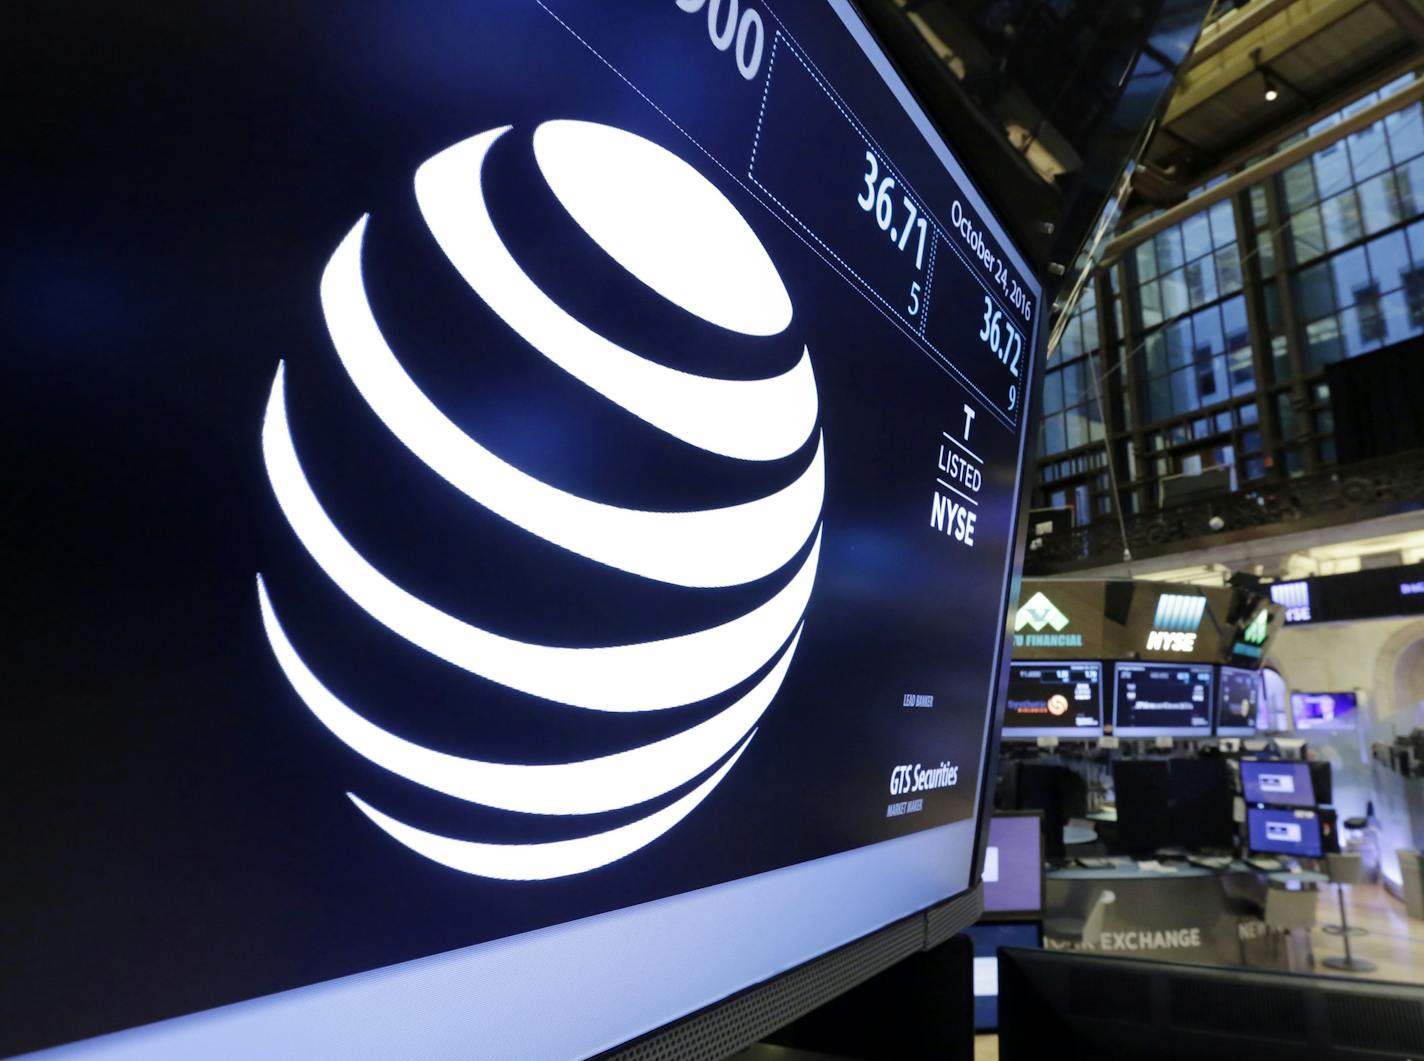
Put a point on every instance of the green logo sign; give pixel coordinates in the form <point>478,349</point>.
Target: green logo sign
<point>1255,631</point>
<point>1038,611</point>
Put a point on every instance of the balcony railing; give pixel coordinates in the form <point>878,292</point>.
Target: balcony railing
<point>1340,495</point>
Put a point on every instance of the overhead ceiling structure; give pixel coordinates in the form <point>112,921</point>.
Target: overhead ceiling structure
<point>1310,57</point>
<point>1046,101</point>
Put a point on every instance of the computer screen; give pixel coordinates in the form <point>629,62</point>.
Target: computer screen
<point>1054,700</point>
<point>1324,710</point>
<point>987,938</point>
<point>1238,699</point>
<point>1013,865</point>
<point>1284,784</point>
<point>1173,803</point>
<point>1277,831</point>
<point>512,496</point>
<point>1162,700</point>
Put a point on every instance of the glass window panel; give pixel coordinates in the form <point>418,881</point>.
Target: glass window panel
<point>1326,450</point>
<point>1414,296</point>
<point>1053,391</point>
<point>1369,151</point>
<point>1075,384</point>
<point>1247,413</point>
<point>1070,343</point>
<point>1341,216</point>
<point>1233,312</point>
<point>1053,433</point>
<point>1409,179</point>
<point>1415,232</point>
<point>1259,213</point>
<point>1150,304</point>
<point>1286,411</point>
<point>1314,291</point>
<point>1075,429</point>
<point>1250,441</point>
<point>1201,281</point>
<point>1184,391</point>
<point>1223,421</point>
<point>1266,255</point>
<point>1201,428</point>
<point>1362,324</point>
<point>1243,373</point>
<point>1307,234</point>
<point>1228,270</point>
<point>1196,236</point>
<point>1332,170</point>
<point>1223,224</point>
<point>1169,249</point>
<point>1090,329</point>
<point>1095,422</point>
<point>1154,352</point>
<point>1174,294</point>
<point>1389,260</point>
<point>1179,343</point>
<point>1146,256</point>
<point>1212,382</point>
<point>1298,186</point>
<point>1322,343</point>
<point>1406,132</point>
<point>1206,331</point>
<point>1379,203</point>
<point>1349,271</point>
<point>1398,325</point>
<point>1255,468</point>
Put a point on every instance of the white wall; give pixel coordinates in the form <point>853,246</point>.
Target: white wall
<point>1384,659</point>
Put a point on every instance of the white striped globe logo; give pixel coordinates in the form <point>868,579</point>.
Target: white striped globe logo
<point>676,234</point>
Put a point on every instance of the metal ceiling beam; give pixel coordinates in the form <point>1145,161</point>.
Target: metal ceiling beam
<point>1231,27</point>
<point>1411,93</point>
<point>1406,16</point>
<point>1291,27</point>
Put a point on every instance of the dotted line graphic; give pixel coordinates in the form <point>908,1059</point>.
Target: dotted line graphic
<point>929,283</point>
<point>865,290</point>
<point>765,92</point>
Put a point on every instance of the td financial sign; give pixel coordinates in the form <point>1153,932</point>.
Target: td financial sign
<point>1039,623</point>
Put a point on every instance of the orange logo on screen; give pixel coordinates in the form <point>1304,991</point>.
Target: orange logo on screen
<point>1057,704</point>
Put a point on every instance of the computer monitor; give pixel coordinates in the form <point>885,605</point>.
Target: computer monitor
<point>1059,791</point>
<point>1297,833</point>
<point>987,938</point>
<point>1013,865</point>
<point>1054,700</point>
<point>1064,1004</point>
<point>1324,711</point>
<point>1238,699</point>
<point>1277,782</point>
<point>1173,803</point>
<point>1162,700</point>
<point>513,527</point>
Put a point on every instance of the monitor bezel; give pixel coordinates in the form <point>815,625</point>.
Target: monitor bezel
<point>1031,733</point>
<point>1235,731</point>
<point>1148,732</point>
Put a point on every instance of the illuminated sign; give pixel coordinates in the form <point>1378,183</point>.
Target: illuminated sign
<point>1295,598</point>
<point>1174,627</point>
<point>1255,632</point>
<point>603,176</point>
<point>1038,613</point>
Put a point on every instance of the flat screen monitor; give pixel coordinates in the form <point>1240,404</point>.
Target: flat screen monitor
<point>513,496</point>
<point>987,937</point>
<point>1273,781</point>
<point>1297,833</point>
<point>1324,711</point>
<point>1238,700</point>
<point>1054,700</point>
<point>1183,804</point>
<point>1162,700</point>
<point>1013,865</point>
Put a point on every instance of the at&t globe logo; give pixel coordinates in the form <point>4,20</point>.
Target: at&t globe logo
<point>655,216</point>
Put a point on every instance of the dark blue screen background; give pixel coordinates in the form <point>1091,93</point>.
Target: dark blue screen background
<point>179,834</point>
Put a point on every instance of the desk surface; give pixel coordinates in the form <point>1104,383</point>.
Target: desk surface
<point>1132,870</point>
